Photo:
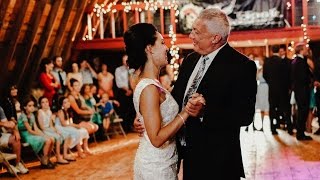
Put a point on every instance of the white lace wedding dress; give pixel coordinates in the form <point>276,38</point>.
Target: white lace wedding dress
<point>153,163</point>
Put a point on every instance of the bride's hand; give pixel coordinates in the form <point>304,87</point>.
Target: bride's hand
<point>138,126</point>
<point>195,104</point>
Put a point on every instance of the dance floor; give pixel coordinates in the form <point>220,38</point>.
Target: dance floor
<point>265,157</point>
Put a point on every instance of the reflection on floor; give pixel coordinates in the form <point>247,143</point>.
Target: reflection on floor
<point>265,157</point>
<point>279,157</point>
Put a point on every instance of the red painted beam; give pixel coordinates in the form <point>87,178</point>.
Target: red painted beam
<point>267,34</point>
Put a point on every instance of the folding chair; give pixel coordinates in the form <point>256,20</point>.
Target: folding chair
<point>116,128</point>
<point>5,158</point>
<point>27,145</point>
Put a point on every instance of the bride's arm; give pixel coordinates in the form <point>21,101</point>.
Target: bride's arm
<point>150,110</point>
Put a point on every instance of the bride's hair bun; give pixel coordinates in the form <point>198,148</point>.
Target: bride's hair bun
<point>136,39</point>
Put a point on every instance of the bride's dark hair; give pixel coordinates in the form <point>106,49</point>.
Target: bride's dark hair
<point>136,39</point>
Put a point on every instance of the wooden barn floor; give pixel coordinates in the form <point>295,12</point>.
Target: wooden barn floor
<point>265,157</point>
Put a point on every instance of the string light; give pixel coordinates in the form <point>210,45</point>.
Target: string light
<point>149,5</point>
<point>174,51</point>
<point>291,45</point>
<point>288,5</point>
<point>306,38</point>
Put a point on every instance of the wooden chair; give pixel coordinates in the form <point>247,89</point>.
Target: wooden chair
<point>5,158</point>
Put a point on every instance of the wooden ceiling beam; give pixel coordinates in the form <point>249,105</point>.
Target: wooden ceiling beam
<point>3,9</point>
<point>30,39</point>
<point>43,42</point>
<point>16,29</point>
<point>57,45</point>
<point>74,29</point>
<point>47,31</point>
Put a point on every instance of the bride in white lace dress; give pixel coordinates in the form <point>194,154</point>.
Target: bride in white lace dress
<point>156,162</point>
<point>156,156</point>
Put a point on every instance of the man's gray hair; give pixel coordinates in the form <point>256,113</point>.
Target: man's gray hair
<point>216,21</point>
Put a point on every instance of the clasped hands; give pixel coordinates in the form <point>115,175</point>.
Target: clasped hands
<point>193,107</point>
<point>195,104</point>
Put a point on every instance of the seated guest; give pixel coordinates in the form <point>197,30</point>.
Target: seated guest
<point>79,135</point>
<point>80,112</point>
<point>107,110</point>
<point>91,103</point>
<point>45,120</point>
<point>94,93</point>
<point>11,104</point>
<point>10,137</point>
<point>31,134</point>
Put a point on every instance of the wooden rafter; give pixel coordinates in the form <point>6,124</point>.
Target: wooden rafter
<point>48,29</point>
<point>74,28</point>
<point>4,6</point>
<point>56,48</point>
<point>16,29</point>
<point>44,39</point>
<point>30,39</point>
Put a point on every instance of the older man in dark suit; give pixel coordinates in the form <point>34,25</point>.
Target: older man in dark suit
<point>229,87</point>
<point>209,142</point>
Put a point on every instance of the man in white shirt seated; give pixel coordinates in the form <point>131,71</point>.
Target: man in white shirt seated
<point>10,137</point>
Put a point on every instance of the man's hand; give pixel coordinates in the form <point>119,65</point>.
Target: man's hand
<point>9,125</point>
<point>128,92</point>
<point>138,126</point>
<point>195,105</point>
<point>316,83</point>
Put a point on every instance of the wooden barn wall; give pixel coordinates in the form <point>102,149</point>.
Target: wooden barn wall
<point>33,29</point>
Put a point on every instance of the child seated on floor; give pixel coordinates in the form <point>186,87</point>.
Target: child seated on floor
<point>106,109</point>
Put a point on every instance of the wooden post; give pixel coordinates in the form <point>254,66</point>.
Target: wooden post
<point>136,16</point>
<point>101,26</point>
<point>89,26</point>
<point>112,25</point>
<point>172,19</point>
<point>293,12</point>
<point>125,22</point>
<point>161,21</point>
<point>305,12</point>
<point>142,17</point>
<point>149,16</point>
